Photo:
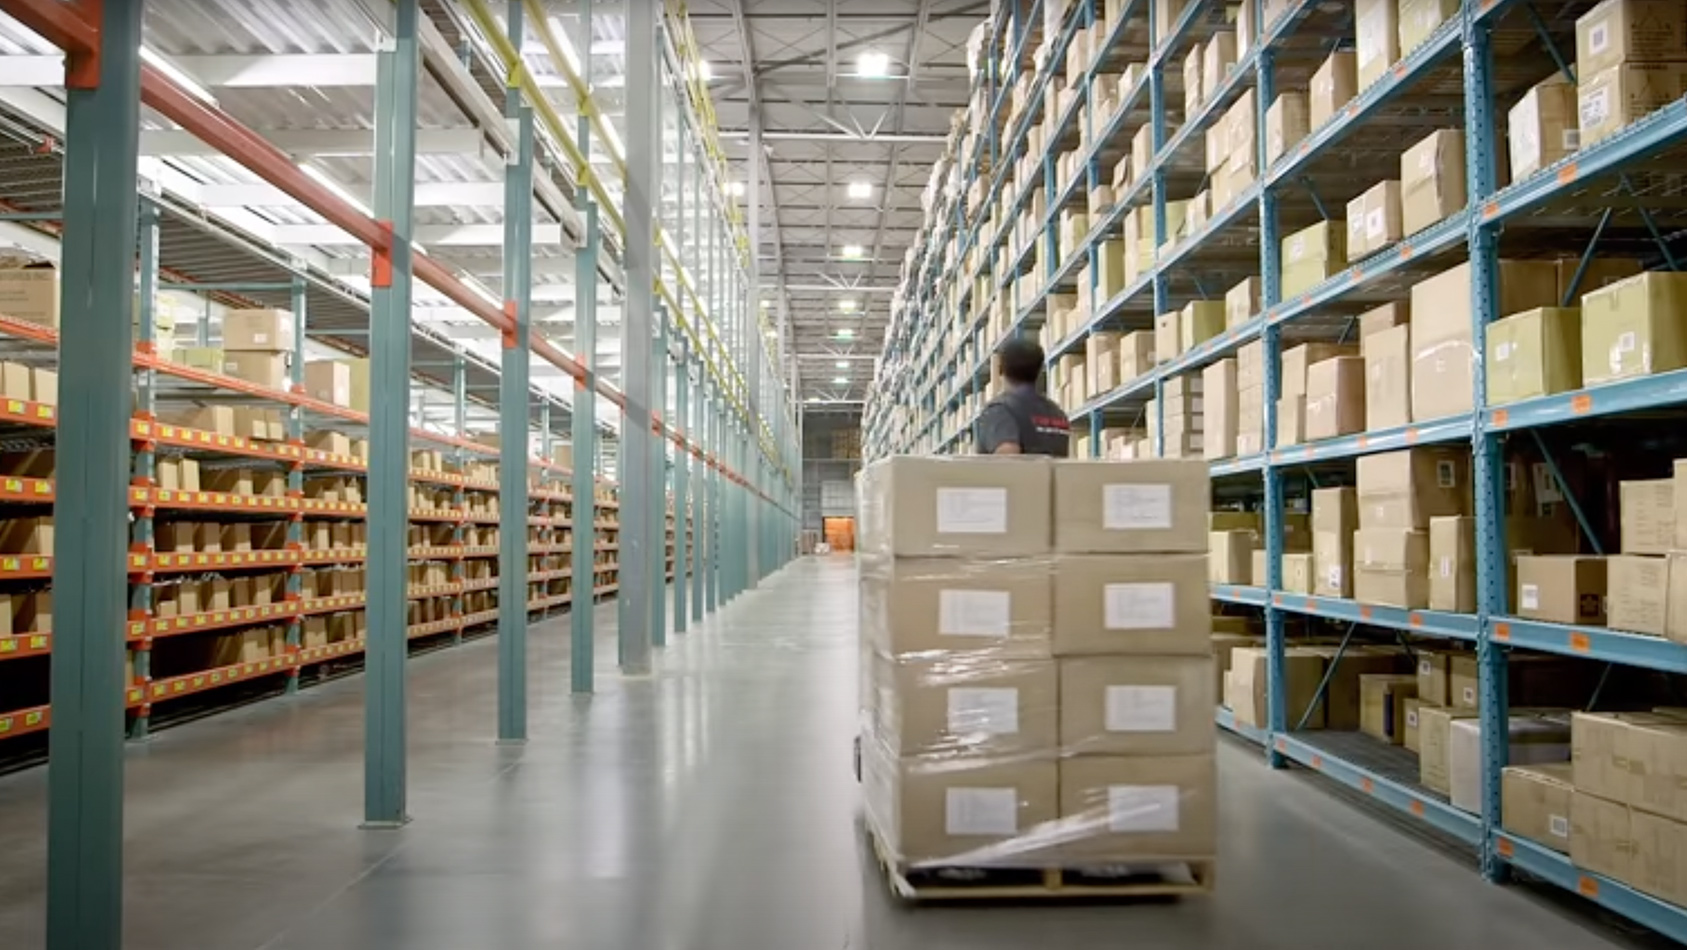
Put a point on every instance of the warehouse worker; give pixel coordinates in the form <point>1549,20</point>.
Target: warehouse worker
<point>1023,421</point>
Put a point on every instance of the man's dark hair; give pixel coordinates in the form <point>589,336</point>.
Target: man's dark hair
<point>1021,361</point>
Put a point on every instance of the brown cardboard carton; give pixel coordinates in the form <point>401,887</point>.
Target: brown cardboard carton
<point>1609,99</point>
<point>1139,807</point>
<point>1377,28</point>
<point>917,606</point>
<point>1373,219</point>
<point>1561,588</point>
<point>1291,420</point>
<point>1599,272</point>
<point>1388,378</point>
<point>960,706</point>
<point>1452,565</point>
<point>1534,353</point>
<point>1409,735</point>
<point>977,507</point>
<point>1464,683</point>
<point>1335,397</point>
<point>258,331</point>
<point>1659,867</point>
<point>1647,515</point>
<point>1220,415</point>
<point>1420,18</point>
<point>1297,359</point>
<point>1634,328</point>
<point>1332,564</point>
<point>1324,241</point>
<point>1287,122</point>
<point>1434,737</point>
<point>1405,489</point>
<point>1432,183</point>
<point>44,386</point>
<point>1136,706</point>
<point>1391,567</point>
<point>953,811</point>
<point>1217,57</point>
<point>264,369</point>
<point>1128,507</point>
<point>1395,313</point>
<point>1382,698</point>
<point>1303,670</point>
<point>1601,836</point>
<point>14,380</point>
<point>1200,320</point>
<point>1442,352</point>
<point>1223,644</point>
<point>1136,604</point>
<point>1167,336</point>
<point>328,381</point>
<point>1342,704</point>
<point>1531,737</point>
<point>31,294</point>
<point>1543,127</point>
<point>1136,354</point>
<point>1630,31</point>
<point>1242,302</point>
<point>359,384</point>
<point>1433,677</point>
<point>1535,803</point>
<point>1638,593</point>
<point>1258,572</point>
<point>1230,557</point>
<point>1297,573</point>
<point>1333,85</point>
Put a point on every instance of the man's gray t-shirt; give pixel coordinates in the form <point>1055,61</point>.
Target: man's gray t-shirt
<point>1027,417</point>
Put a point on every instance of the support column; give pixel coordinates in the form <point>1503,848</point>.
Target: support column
<point>682,477</point>
<point>751,346</point>
<point>513,386</point>
<point>583,509</point>
<point>91,508</point>
<point>712,486</point>
<point>295,472</point>
<point>384,754</point>
<point>637,325</point>
<point>659,484</point>
<point>697,425</point>
<point>1277,711</point>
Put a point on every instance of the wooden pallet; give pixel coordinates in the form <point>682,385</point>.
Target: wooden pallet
<point>1169,879</point>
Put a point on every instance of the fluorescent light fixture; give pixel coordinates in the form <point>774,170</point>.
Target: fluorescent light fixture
<point>840,380</point>
<point>339,190</point>
<point>177,76</point>
<point>736,189</point>
<point>841,364</point>
<point>705,71</point>
<point>860,190</point>
<point>847,305</point>
<point>873,64</point>
<point>854,252</point>
<point>845,333</point>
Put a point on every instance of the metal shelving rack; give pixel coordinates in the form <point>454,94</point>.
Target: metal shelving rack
<point>938,351</point>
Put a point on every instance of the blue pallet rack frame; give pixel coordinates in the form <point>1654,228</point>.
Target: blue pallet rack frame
<point>916,373</point>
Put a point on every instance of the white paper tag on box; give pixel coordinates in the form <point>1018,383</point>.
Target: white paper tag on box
<point>1425,668</point>
<point>1411,719</point>
<point>1142,808</point>
<point>1446,566</point>
<point>1558,826</point>
<point>1150,606</point>
<point>981,811</point>
<point>1375,223</point>
<point>975,710</point>
<point>1531,596</point>
<point>1141,709</point>
<point>972,510</point>
<point>974,613</point>
<point>1136,507</point>
<point>1469,695</point>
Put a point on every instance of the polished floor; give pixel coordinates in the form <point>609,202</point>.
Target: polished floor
<point>707,807</point>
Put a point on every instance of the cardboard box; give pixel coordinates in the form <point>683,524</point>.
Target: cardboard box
<point>1599,272</point>
<point>1242,302</point>
<point>1167,337</point>
<point>1287,122</point>
<point>1335,397</point>
<point>1230,557</point>
<point>1297,573</point>
<point>1638,593</point>
<point>264,369</point>
<point>14,380</point>
<point>1530,740</point>
<point>1198,322</point>
<point>1334,84</point>
<point>976,506</point>
<point>1291,420</point>
<point>1634,327</point>
<point>258,331</point>
<point>1534,353</point>
<point>1610,99</point>
<point>1535,803</point>
<point>960,706</point>
<point>1464,681</point>
<point>1647,515</point>
<point>328,381</point>
<point>44,386</point>
<point>1130,507</point>
<point>1405,489</point>
<point>1136,706</point>
<point>1303,670</point>
<point>1382,711</point>
<point>1388,378</point>
<point>941,815</point>
<point>1395,313</point>
<point>1434,737</point>
<point>1373,219</point>
<point>1219,415</point>
<point>1442,352</point>
<point>1601,836</point>
<point>983,608</point>
<point>1377,28</point>
<point>1452,564</point>
<point>1217,57</point>
<point>1630,31</point>
<point>1324,241</point>
<point>1164,807</point>
<point>1135,604</point>
<point>1391,567</point>
<point>1660,857</point>
<point>1334,518</point>
<point>27,535</point>
<point>1434,682</point>
<point>1543,127</point>
<point>31,294</point>
<point>1561,588</point>
<point>1432,182</point>
<point>1419,19</point>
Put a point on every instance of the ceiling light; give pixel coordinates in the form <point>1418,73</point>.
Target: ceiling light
<point>177,76</point>
<point>705,72</point>
<point>847,305</point>
<point>860,190</point>
<point>841,364</point>
<point>736,189</point>
<point>845,333</point>
<point>854,252</point>
<point>840,380</point>
<point>873,64</point>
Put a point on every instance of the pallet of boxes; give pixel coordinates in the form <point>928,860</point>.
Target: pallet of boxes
<point>1037,686</point>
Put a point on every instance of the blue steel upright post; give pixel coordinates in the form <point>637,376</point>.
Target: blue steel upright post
<point>513,379</point>
<point>682,482</point>
<point>582,507</point>
<point>1157,141</point>
<point>91,508</point>
<point>658,482</point>
<point>698,426</point>
<point>1270,279</point>
<point>384,754</point>
<point>1488,465</point>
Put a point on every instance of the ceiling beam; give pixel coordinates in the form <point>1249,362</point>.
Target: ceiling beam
<point>306,143</point>
<point>430,235</point>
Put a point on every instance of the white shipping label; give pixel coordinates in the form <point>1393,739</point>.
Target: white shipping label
<point>260,338</point>
<point>1503,352</point>
<point>1446,474</point>
<point>974,613</point>
<point>1469,695</point>
<point>1558,826</point>
<point>1531,596</point>
<point>1446,566</point>
<point>981,811</point>
<point>1142,808</point>
<point>1625,342</point>
<point>1527,150</point>
<point>1150,606</point>
<point>1411,719</point>
<point>1375,223</point>
<point>1332,576</point>
<point>1595,107</point>
<point>1426,668</point>
<point>1141,709</point>
<point>1572,139</point>
<point>975,710</point>
<point>972,510</point>
<point>1599,37</point>
<point>1136,507</point>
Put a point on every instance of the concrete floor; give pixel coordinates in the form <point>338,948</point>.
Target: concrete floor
<point>709,807</point>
